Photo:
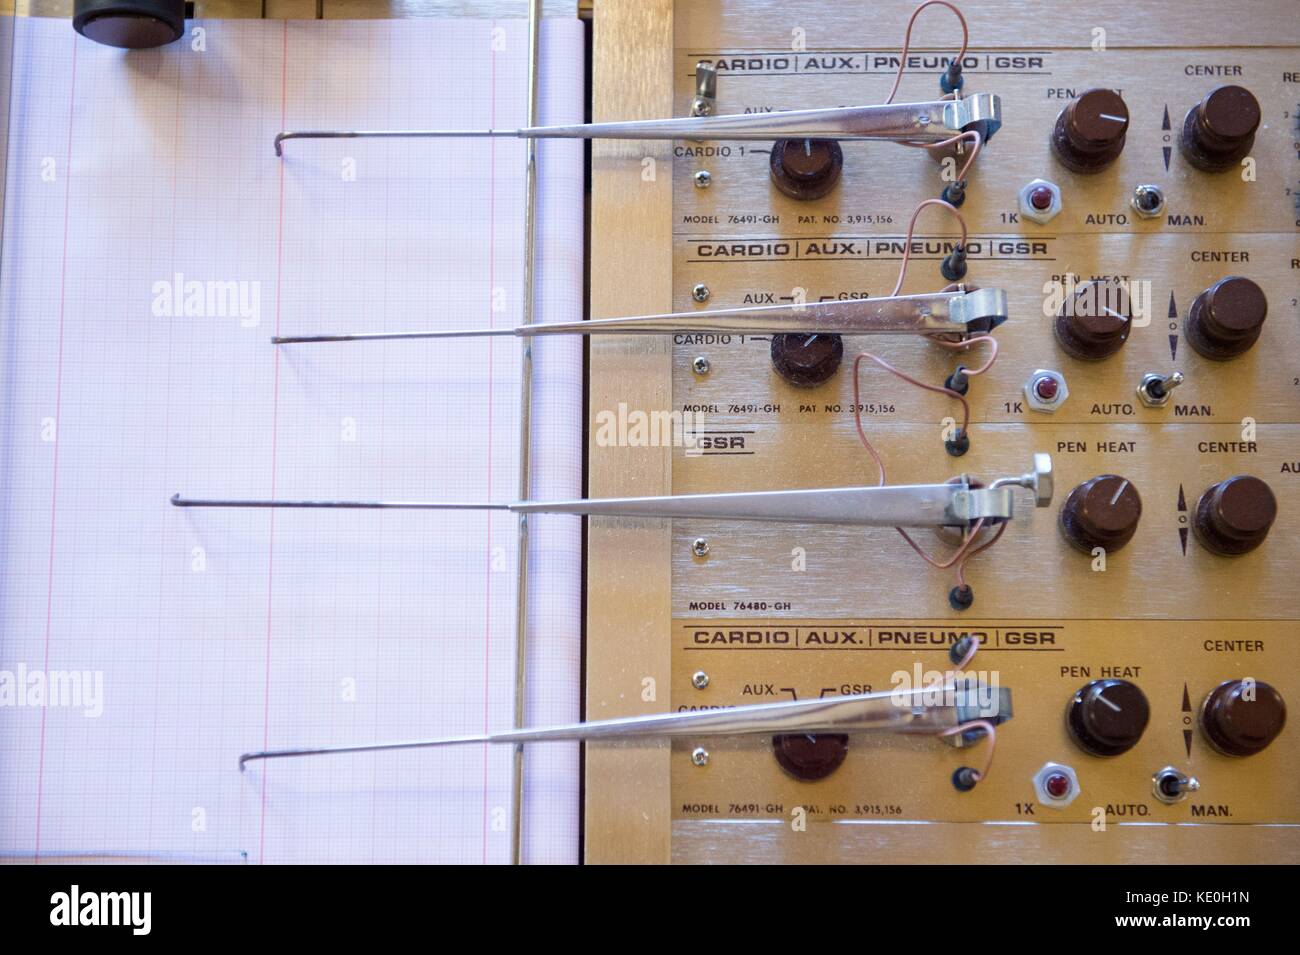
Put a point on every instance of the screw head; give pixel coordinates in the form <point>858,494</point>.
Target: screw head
<point>700,756</point>
<point>699,679</point>
<point>703,179</point>
<point>700,546</point>
<point>700,365</point>
<point>701,292</point>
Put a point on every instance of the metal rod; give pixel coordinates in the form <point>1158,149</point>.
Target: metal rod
<point>179,501</point>
<point>958,312</point>
<point>525,437</point>
<point>929,709</point>
<point>929,122</point>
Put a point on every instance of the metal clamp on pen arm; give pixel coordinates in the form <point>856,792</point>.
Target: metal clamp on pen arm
<point>935,121</point>
<point>942,710</point>
<point>958,504</point>
<point>954,315</point>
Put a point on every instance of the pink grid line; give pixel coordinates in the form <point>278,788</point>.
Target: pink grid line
<point>275,422</point>
<point>58,410</point>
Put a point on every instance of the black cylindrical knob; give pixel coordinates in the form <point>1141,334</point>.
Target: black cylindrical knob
<point>810,757</point>
<point>1219,131</point>
<point>806,360</point>
<point>1095,321</point>
<point>1233,516</point>
<point>1102,512</point>
<point>1089,132</point>
<point>1107,717</point>
<point>1241,717</point>
<point>131,24</point>
<point>806,168</point>
<point>1226,319</point>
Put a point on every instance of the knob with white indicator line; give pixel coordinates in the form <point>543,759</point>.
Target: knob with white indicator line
<point>806,361</point>
<point>1090,132</point>
<point>806,168</point>
<point>1107,717</point>
<point>1101,512</point>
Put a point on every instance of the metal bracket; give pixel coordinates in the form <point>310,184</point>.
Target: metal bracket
<point>706,89</point>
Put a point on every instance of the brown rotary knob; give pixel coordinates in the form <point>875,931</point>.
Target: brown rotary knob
<point>1089,133</point>
<point>806,361</point>
<point>1107,717</point>
<point>1102,512</point>
<point>806,168</point>
<point>810,756</point>
<point>1095,321</point>
<point>1225,320</point>
<point>1220,130</point>
<point>1233,516</point>
<point>1241,717</point>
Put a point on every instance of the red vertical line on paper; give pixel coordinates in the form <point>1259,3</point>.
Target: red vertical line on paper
<point>275,417</point>
<point>163,556</point>
<point>487,590</point>
<point>58,438</point>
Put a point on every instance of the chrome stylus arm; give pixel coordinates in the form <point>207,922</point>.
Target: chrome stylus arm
<point>927,710</point>
<point>957,504</point>
<point>958,313</point>
<point>929,122</point>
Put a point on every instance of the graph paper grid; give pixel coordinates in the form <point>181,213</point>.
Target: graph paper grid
<point>153,244</point>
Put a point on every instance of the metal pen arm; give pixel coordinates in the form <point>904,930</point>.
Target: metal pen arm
<point>898,711</point>
<point>957,504</point>
<point>959,313</point>
<point>929,122</point>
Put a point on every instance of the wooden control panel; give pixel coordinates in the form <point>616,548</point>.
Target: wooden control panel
<point>771,612</point>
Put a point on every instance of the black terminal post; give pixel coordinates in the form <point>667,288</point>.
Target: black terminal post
<point>953,266</point>
<point>951,81</point>
<point>964,779</point>
<point>956,446</point>
<point>131,24</point>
